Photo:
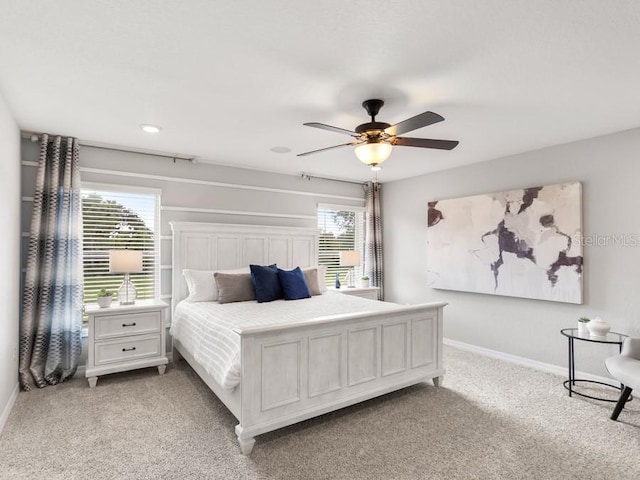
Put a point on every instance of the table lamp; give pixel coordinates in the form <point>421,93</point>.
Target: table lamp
<point>126,261</point>
<point>350,258</point>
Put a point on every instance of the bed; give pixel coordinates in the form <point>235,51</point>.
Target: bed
<point>290,370</point>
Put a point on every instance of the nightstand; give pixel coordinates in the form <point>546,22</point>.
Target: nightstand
<point>126,337</point>
<point>365,292</point>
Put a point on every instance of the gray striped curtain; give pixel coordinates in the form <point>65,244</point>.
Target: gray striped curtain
<point>373,235</point>
<point>51,320</point>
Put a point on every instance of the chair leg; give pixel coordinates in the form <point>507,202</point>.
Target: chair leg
<point>624,396</point>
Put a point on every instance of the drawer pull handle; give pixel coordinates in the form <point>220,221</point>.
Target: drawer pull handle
<point>128,349</point>
<point>129,324</point>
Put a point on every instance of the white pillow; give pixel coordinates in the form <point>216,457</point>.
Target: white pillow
<point>322,271</point>
<point>202,285</point>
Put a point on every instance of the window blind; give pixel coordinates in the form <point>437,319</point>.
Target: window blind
<point>341,228</point>
<point>117,219</point>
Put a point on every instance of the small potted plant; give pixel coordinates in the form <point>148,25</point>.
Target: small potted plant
<point>104,298</point>
<point>582,325</point>
<point>364,281</point>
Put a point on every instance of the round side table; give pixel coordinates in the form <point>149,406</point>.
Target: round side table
<point>572,335</point>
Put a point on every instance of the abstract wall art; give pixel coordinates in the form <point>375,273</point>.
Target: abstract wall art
<point>519,243</point>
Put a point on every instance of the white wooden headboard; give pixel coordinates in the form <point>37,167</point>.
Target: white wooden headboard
<point>220,246</point>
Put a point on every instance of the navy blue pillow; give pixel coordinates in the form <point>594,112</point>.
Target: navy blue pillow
<point>294,286</point>
<point>265,282</point>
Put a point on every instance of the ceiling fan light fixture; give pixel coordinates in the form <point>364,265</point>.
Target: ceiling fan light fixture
<point>373,153</point>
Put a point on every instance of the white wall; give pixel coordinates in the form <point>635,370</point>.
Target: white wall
<point>10,271</point>
<point>609,169</point>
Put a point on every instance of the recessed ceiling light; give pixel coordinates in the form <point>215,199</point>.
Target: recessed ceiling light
<point>150,128</point>
<point>280,149</point>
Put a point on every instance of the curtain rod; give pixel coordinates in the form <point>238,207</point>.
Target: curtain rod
<point>34,137</point>
<point>306,176</point>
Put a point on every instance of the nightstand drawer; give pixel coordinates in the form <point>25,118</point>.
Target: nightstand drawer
<point>110,326</point>
<point>127,349</point>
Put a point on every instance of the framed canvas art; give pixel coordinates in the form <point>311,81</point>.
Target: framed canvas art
<point>519,243</point>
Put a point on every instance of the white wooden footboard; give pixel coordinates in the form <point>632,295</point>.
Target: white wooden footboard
<point>294,372</point>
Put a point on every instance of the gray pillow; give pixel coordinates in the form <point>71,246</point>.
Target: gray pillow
<point>311,277</point>
<point>234,287</point>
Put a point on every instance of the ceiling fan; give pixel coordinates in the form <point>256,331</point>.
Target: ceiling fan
<point>374,141</point>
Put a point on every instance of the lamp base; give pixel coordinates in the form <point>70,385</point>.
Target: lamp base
<point>351,278</point>
<point>127,292</point>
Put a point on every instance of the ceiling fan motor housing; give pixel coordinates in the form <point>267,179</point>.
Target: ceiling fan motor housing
<point>372,127</point>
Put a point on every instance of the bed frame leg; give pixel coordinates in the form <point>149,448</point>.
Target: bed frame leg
<point>437,381</point>
<point>246,443</point>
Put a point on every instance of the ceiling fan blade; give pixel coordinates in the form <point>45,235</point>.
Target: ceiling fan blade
<point>414,123</point>
<point>325,149</point>
<point>426,143</point>
<point>330,128</point>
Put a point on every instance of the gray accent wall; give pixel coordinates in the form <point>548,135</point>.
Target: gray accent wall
<point>10,246</point>
<point>190,191</point>
<point>609,169</point>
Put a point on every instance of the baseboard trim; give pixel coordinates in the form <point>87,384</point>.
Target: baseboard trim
<point>9,406</point>
<point>525,362</point>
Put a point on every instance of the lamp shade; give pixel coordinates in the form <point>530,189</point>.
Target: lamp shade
<point>373,153</point>
<point>350,258</point>
<point>125,261</point>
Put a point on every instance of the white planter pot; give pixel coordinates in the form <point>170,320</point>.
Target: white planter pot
<point>598,328</point>
<point>364,283</point>
<point>104,302</point>
<point>582,328</point>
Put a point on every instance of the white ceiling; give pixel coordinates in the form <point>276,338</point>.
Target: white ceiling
<point>229,80</point>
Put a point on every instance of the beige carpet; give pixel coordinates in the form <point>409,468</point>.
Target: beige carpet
<point>490,420</point>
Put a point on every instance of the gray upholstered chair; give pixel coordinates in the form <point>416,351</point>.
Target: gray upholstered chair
<point>626,369</point>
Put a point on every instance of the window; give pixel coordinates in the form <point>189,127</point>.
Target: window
<point>117,217</point>
<point>341,228</point>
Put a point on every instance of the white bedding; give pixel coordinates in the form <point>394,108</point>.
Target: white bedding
<point>205,329</point>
